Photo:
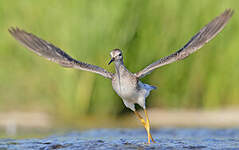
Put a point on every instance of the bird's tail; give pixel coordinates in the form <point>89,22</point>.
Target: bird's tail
<point>150,87</point>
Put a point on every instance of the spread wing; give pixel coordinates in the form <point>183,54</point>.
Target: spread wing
<point>53,53</point>
<point>207,33</point>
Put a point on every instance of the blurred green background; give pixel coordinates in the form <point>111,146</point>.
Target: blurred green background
<point>145,30</point>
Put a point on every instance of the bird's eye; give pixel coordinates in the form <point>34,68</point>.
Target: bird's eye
<point>120,54</point>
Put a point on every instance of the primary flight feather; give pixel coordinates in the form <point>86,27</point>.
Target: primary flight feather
<point>207,33</point>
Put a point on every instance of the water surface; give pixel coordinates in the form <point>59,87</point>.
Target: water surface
<point>166,138</point>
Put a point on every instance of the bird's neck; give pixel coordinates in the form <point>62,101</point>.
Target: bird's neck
<point>119,66</point>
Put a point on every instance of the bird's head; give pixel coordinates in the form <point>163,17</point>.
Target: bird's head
<point>116,55</point>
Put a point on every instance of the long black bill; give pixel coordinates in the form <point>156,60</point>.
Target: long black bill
<point>111,61</point>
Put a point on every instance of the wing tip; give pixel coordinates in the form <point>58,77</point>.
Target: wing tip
<point>15,31</point>
<point>11,30</point>
<point>228,13</point>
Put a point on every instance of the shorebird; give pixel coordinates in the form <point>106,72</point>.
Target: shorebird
<point>126,84</point>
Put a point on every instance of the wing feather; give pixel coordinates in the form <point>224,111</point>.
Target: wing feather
<point>207,33</point>
<point>53,53</point>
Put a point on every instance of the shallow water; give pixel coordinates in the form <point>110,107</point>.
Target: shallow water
<point>166,138</point>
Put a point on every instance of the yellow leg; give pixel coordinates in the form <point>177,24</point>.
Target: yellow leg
<point>146,125</point>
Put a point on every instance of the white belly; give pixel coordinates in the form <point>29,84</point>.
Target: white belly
<point>127,86</point>
<point>126,89</point>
